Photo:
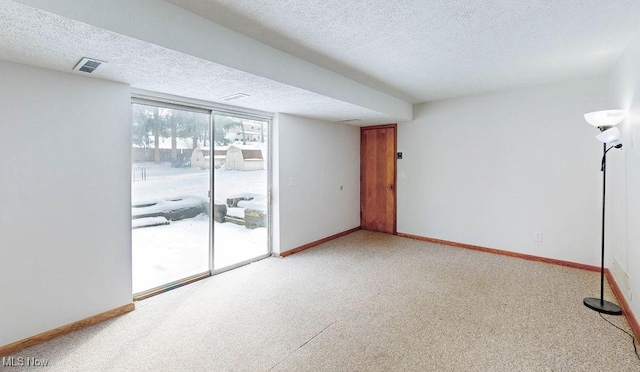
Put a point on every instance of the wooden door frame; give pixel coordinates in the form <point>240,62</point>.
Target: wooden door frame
<point>395,170</point>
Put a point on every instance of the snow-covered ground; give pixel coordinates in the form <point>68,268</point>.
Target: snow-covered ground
<point>162,254</point>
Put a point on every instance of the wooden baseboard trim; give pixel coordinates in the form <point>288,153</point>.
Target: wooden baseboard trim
<point>317,242</point>
<point>46,336</point>
<point>633,322</point>
<point>626,310</point>
<point>523,256</point>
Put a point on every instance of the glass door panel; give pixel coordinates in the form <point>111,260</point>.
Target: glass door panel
<point>170,186</point>
<point>240,202</point>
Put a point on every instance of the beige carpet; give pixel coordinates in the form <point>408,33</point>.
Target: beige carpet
<point>364,302</point>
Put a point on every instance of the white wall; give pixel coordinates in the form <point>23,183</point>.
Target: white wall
<point>65,200</point>
<point>624,214</point>
<point>493,169</point>
<point>314,159</point>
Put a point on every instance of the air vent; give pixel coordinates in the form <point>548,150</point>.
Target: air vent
<point>349,121</point>
<point>234,97</point>
<point>88,65</point>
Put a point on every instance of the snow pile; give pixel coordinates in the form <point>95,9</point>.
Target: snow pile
<point>258,203</point>
<point>148,222</point>
<point>236,212</point>
<point>165,253</point>
<point>173,209</point>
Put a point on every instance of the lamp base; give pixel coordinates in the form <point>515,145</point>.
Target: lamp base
<point>602,306</point>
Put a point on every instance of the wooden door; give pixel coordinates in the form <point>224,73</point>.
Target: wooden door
<point>378,178</point>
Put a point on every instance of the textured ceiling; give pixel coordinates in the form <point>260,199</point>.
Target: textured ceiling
<point>422,50</point>
<point>39,38</point>
<point>416,50</point>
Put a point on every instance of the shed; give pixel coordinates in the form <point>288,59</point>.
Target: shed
<point>200,157</point>
<point>244,158</point>
<point>219,155</point>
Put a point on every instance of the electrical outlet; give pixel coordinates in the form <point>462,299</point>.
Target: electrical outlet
<point>537,237</point>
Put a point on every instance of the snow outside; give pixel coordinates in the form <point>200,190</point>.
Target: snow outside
<point>170,194</point>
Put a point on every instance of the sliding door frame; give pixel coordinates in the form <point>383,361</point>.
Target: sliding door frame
<point>144,97</point>
<point>239,113</point>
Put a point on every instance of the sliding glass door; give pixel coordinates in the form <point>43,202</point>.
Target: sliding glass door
<point>241,198</point>
<point>199,193</point>
<point>171,179</point>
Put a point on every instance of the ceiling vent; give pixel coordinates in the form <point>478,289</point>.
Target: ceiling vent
<point>234,97</point>
<point>349,121</point>
<point>88,65</point>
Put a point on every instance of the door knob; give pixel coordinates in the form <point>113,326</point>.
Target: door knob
<point>390,187</point>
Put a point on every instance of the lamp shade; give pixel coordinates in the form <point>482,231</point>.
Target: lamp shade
<point>605,118</point>
<point>610,136</point>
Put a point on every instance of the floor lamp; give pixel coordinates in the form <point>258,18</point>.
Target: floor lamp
<point>610,137</point>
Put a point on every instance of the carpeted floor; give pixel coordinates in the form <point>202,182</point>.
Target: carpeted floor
<point>364,302</point>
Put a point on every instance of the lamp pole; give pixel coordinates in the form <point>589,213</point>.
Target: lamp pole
<point>600,305</point>
<point>604,193</point>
